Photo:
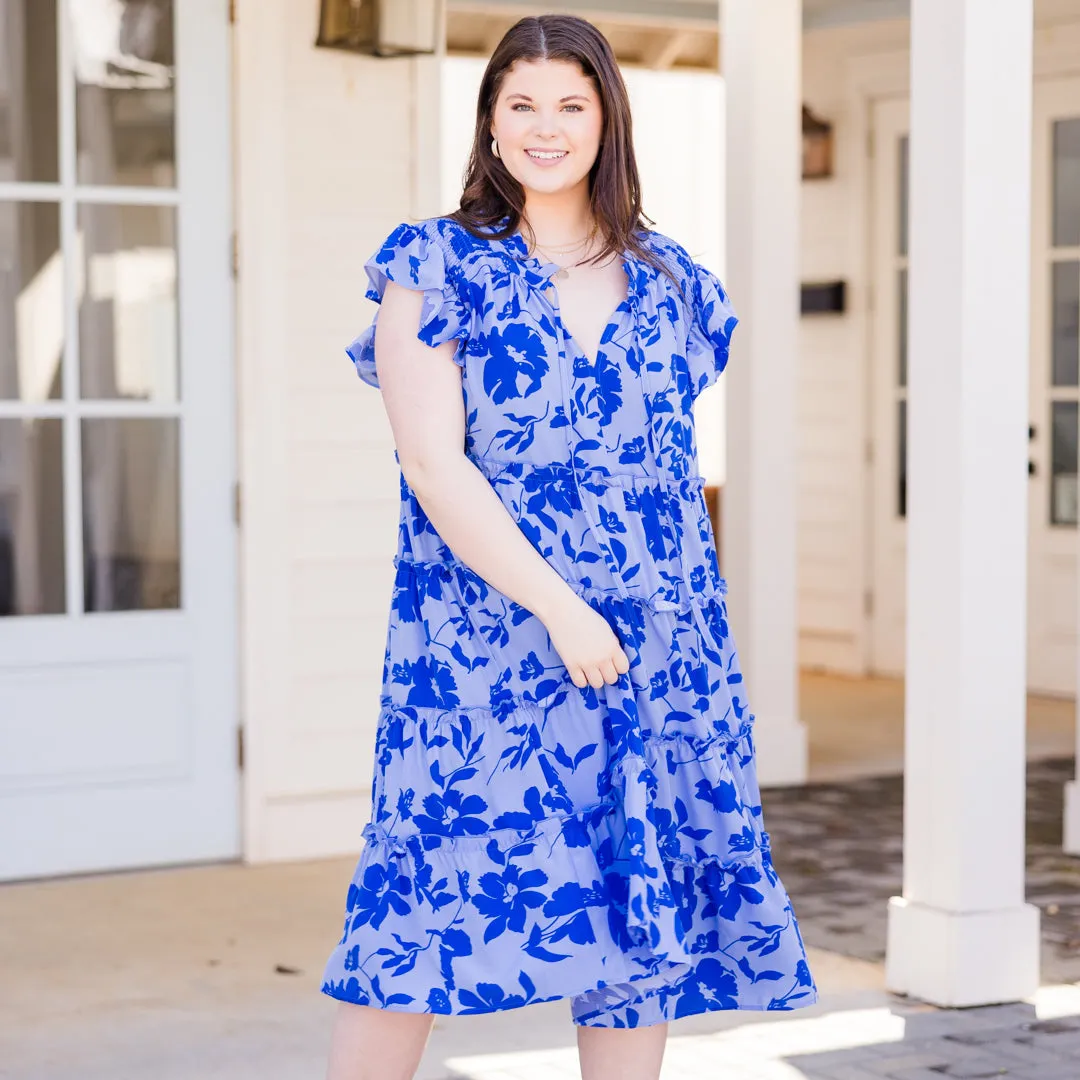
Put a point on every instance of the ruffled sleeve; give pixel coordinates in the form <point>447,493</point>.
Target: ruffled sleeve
<point>415,259</point>
<point>711,324</point>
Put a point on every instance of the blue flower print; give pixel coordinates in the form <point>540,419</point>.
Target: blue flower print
<point>633,451</point>
<point>728,888</point>
<point>712,986</point>
<point>383,889</point>
<point>516,363</point>
<point>431,682</point>
<point>605,845</point>
<point>531,668</point>
<point>507,898</point>
<point>490,997</point>
<point>600,388</point>
<point>658,685</point>
<point>452,814</point>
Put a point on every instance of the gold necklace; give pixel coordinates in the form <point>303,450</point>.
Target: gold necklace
<point>566,249</point>
<point>562,249</point>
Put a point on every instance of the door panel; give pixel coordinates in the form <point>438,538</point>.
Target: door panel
<point>117,565</point>
<point>1055,387</point>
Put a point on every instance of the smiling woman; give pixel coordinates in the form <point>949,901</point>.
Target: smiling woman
<point>565,802</point>
<point>548,141</point>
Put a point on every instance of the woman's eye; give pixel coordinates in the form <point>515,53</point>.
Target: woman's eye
<point>521,106</point>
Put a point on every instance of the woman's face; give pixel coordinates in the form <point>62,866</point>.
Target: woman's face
<point>547,121</point>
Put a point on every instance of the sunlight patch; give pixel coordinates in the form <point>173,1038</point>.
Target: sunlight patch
<point>723,1055</point>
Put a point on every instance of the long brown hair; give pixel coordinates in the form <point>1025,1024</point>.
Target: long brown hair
<point>492,194</point>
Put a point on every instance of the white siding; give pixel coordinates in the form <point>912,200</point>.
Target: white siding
<point>329,159</point>
<point>833,378</point>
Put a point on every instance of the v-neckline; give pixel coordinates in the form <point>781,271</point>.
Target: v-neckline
<point>549,271</point>
<point>610,327</point>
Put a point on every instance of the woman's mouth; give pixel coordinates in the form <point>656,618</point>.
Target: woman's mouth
<point>545,157</point>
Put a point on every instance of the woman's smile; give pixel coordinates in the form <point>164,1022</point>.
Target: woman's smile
<point>545,158</point>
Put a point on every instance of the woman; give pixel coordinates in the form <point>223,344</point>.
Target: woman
<point>564,799</point>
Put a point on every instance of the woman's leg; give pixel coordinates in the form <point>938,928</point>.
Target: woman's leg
<point>621,1053</point>
<point>376,1044</point>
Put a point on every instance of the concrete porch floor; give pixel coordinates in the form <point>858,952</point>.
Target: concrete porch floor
<point>856,726</point>
<point>212,972</point>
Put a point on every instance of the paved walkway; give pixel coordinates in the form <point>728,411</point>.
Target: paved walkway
<point>887,1043</point>
<point>839,850</point>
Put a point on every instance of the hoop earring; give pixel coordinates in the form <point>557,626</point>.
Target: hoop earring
<point>495,150</point>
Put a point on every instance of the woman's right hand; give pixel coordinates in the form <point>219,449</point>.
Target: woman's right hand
<point>585,642</point>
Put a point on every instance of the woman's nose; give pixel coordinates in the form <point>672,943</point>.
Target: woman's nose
<point>547,125</point>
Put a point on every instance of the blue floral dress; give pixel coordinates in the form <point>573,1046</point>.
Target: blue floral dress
<point>530,840</point>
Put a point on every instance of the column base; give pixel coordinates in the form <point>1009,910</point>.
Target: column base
<point>1071,842</point>
<point>962,959</point>
<point>781,752</point>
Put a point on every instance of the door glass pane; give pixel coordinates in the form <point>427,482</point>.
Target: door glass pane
<point>127,303</point>
<point>31,301</point>
<point>131,513</point>
<point>901,315</point>
<point>29,126</point>
<point>125,79</point>
<point>31,517</point>
<point>1067,183</point>
<point>1063,462</point>
<point>902,181</point>
<point>901,459</point>
<point>1065,331</point>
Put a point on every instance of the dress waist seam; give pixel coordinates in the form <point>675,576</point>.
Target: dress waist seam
<point>595,473</point>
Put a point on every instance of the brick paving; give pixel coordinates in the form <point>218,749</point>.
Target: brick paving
<point>1005,1042</point>
<point>839,849</point>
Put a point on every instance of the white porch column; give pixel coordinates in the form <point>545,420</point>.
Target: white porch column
<point>762,69</point>
<point>962,934</point>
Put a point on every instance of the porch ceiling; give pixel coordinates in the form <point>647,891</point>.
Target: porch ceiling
<point>659,34</point>
<point>822,13</point>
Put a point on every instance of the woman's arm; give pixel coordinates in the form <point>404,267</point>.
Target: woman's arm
<point>421,390</point>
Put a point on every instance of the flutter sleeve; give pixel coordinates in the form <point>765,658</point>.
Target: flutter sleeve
<point>415,259</point>
<point>711,324</point>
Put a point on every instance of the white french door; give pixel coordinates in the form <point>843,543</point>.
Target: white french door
<point>118,651</point>
<point>1055,386</point>
<point>1054,365</point>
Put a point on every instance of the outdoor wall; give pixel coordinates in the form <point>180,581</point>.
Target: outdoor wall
<point>332,152</point>
<point>846,72</point>
<point>834,359</point>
